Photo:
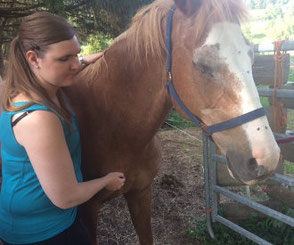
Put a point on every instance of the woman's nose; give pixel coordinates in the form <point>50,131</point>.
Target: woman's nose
<point>76,64</point>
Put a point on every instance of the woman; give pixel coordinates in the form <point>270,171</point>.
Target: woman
<point>40,142</point>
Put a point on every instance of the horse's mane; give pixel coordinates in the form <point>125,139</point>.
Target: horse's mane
<point>146,34</point>
<point>146,28</point>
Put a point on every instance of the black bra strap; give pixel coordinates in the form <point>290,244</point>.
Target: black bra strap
<point>21,117</point>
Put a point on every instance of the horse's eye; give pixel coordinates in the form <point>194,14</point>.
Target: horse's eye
<point>205,68</point>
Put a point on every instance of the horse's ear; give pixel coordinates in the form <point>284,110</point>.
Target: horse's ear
<point>188,7</point>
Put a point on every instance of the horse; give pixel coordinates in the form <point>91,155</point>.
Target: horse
<point>122,100</point>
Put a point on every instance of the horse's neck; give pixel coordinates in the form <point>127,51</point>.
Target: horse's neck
<point>128,99</point>
<point>138,90</point>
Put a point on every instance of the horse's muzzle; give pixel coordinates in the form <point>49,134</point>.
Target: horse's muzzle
<point>247,171</point>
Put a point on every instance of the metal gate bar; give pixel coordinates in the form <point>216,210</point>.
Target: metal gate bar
<point>254,205</point>
<point>241,230</point>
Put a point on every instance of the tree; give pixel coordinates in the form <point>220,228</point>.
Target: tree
<point>11,13</point>
<point>281,26</point>
<point>96,43</point>
<point>89,17</point>
<point>262,4</point>
<point>273,11</point>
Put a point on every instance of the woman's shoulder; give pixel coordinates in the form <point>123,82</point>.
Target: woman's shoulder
<point>37,126</point>
<point>37,117</point>
<point>33,114</point>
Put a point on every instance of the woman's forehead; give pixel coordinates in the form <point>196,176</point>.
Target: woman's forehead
<point>67,47</point>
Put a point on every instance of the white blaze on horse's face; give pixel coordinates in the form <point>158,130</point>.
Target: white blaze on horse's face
<point>235,52</point>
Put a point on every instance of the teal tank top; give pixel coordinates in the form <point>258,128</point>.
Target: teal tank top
<point>26,213</point>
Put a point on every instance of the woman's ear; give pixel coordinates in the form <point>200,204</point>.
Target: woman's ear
<point>32,59</point>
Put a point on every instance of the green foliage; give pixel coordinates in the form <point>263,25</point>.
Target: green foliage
<point>223,235</point>
<point>275,22</point>
<point>281,26</point>
<point>281,29</point>
<point>261,4</point>
<point>110,17</point>
<point>265,102</point>
<point>273,11</point>
<point>175,119</point>
<point>55,6</point>
<point>269,229</point>
<point>289,167</point>
<point>255,30</point>
<point>96,43</point>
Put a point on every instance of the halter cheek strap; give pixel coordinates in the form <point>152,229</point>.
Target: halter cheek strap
<point>208,130</point>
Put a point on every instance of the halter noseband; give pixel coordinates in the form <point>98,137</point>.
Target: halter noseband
<point>208,130</point>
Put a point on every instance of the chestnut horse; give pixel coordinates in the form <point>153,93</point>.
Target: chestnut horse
<point>122,100</point>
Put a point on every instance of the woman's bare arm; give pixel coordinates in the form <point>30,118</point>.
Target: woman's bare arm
<point>42,136</point>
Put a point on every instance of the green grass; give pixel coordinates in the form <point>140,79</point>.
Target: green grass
<point>289,167</point>
<point>175,119</point>
<point>269,229</point>
<point>259,36</point>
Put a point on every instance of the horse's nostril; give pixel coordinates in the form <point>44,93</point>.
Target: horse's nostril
<point>253,167</point>
<point>252,164</point>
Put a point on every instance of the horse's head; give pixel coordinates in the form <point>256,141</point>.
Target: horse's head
<point>212,74</point>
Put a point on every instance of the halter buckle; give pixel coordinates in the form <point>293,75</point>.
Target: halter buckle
<point>169,76</point>
<point>203,128</point>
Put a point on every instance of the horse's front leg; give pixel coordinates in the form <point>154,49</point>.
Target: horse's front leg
<point>88,214</point>
<point>139,203</point>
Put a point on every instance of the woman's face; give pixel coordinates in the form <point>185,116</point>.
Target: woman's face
<point>59,65</point>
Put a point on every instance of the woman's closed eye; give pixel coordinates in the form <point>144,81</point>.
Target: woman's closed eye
<point>64,59</point>
<point>68,57</point>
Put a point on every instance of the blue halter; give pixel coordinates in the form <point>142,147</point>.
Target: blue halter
<point>208,130</point>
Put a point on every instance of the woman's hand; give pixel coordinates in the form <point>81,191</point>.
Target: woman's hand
<point>115,181</point>
<point>90,58</point>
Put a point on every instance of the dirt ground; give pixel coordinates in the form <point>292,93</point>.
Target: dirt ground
<point>178,196</point>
